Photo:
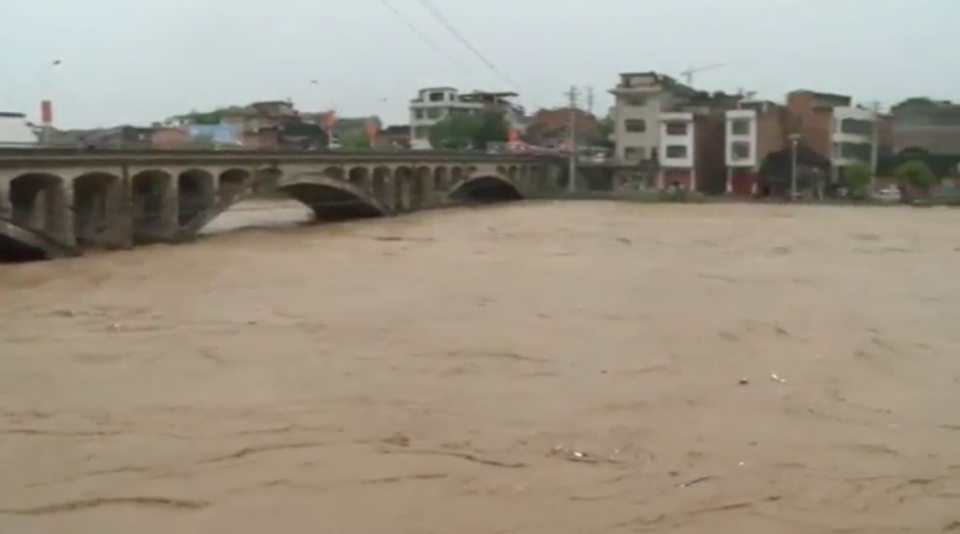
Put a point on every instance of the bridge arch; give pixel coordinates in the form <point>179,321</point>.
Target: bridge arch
<point>233,182</point>
<point>38,226</point>
<point>153,200</point>
<point>482,188</point>
<point>332,199</point>
<point>96,195</point>
<point>40,202</point>
<point>360,177</point>
<point>195,193</point>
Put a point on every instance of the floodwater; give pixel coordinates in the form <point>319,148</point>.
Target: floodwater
<point>527,368</point>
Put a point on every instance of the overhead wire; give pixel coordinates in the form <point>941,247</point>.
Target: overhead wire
<point>423,37</point>
<point>442,19</point>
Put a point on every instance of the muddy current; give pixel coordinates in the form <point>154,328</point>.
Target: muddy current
<point>527,368</point>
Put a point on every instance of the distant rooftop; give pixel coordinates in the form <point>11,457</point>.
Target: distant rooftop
<point>821,94</point>
<point>480,95</point>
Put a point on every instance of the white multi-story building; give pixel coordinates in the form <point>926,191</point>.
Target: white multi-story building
<point>677,139</point>
<point>678,149</point>
<point>852,136</point>
<point>639,100</point>
<point>15,131</point>
<point>741,138</point>
<point>434,104</point>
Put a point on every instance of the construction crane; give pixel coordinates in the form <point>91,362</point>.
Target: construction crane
<point>688,74</point>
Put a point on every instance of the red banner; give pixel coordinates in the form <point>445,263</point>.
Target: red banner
<point>46,112</point>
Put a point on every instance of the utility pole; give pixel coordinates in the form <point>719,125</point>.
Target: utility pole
<point>574,96</point>
<point>794,141</point>
<point>874,145</point>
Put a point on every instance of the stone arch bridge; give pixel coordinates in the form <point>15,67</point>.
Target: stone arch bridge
<point>56,203</point>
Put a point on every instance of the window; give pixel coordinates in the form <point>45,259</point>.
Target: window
<point>740,127</point>
<point>635,125</point>
<point>418,114</point>
<point>436,97</point>
<point>633,101</point>
<point>634,153</point>
<point>434,113</point>
<point>856,127</point>
<point>676,128</point>
<point>739,150</point>
<point>677,151</point>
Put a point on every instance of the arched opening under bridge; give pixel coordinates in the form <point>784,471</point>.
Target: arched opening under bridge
<point>485,189</point>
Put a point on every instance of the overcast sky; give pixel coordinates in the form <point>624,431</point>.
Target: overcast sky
<point>134,61</point>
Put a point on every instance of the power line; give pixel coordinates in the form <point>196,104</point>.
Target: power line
<point>464,41</point>
<point>423,37</point>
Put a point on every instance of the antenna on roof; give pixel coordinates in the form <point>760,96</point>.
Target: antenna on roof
<point>590,99</point>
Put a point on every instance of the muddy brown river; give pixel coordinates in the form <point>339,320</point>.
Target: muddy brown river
<point>528,368</point>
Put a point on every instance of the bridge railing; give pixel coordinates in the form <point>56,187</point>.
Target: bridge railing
<point>39,152</point>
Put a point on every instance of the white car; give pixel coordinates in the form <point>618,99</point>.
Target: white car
<point>888,194</point>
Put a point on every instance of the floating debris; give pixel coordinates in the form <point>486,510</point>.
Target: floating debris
<point>689,483</point>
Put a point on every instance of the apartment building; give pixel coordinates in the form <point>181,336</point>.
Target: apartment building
<point>753,130</point>
<point>434,104</point>
<point>639,99</point>
<point>831,125</point>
